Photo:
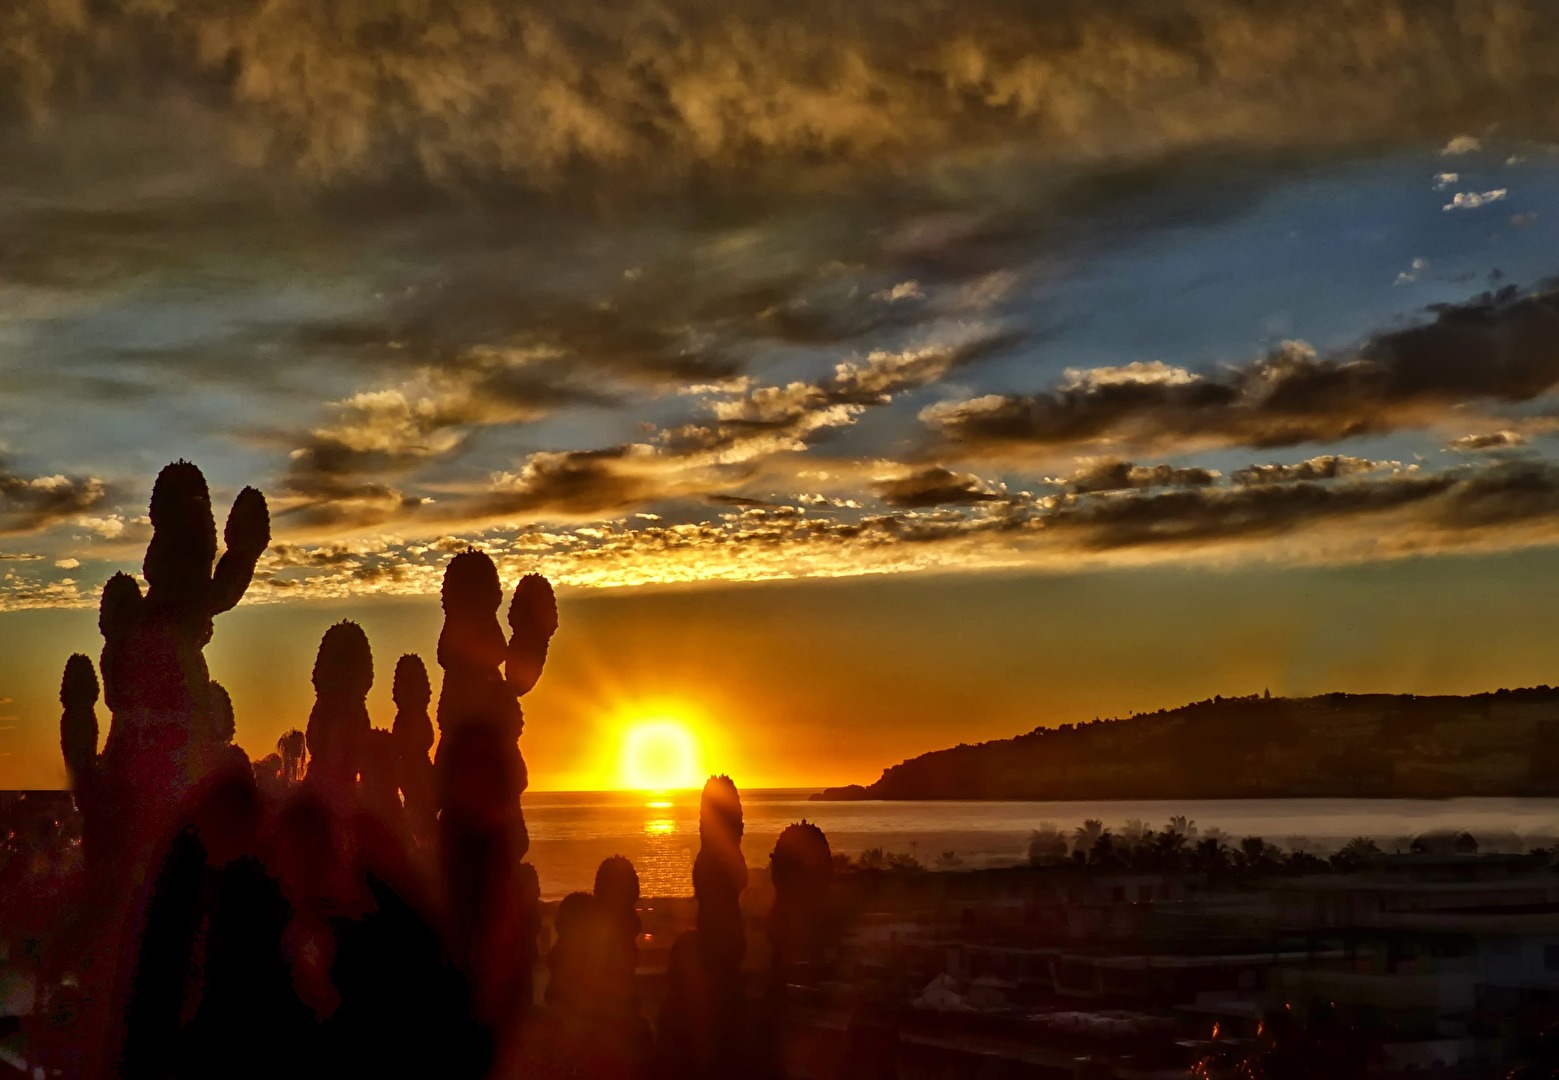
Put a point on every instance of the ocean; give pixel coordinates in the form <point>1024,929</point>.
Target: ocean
<point>571,832</point>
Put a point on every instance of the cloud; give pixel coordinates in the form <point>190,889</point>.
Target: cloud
<point>578,484</point>
<point>1498,348</point>
<point>768,419</point>
<point>1471,200</point>
<point>904,290</point>
<point>1361,516</point>
<point>1325,467</point>
<point>463,92</point>
<point>1104,476</point>
<point>1488,440</point>
<point>395,429</point>
<point>32,503</point>
<point>1413,272</point>
<point>700,459</point>
<point>934,486</point>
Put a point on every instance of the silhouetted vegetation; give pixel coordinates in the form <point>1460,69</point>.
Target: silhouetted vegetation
<point>801,868</point>
<point>480,775</point>
<point>338,724</point>
<point>413,744</point>
<point>703,1016</point>
<point>1335,745</point>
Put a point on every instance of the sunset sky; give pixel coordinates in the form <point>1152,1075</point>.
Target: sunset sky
<point>868,378</point>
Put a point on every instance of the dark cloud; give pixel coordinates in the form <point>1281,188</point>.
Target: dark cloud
<point>935,486</point>
<point>573,484</point>
<point>1488,440</point>
<point>1324,467</point>
<point>739,500</point>
<point>464,92</point>
<point>1106,476</point>
<point>1498,348</point>
<point>1194,518</point>
<point>32,503</point>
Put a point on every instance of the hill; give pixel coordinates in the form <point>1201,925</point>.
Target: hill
<point>1333,745</point>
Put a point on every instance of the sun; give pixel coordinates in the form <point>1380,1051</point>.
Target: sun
<point>659,755</point>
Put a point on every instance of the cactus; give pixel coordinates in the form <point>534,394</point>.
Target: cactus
<point>801,868</point>
<point>480,773</point>
<point>168,725</point>
<point>223,726</point>
<point>703,1015</point>
<point>570,982</point>
<point>292,746</point>
<point>533,619</point>
<point>471,645</point>
<point>78,723</point>
<point>413,740</point>
<point>527,891</point>
<point>617,897</point>
<point>338,724</point>
<point>720,874</point>
<point>379,789</point>
<point>592,995</point>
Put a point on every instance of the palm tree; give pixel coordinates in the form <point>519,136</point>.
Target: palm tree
<point>1046,844</point>
<point>1355,851</point>
<point>1211,856</point>
<point>1087,835</point>
<point>872,859</point>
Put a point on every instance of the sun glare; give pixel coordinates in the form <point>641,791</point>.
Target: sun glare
<point>659,755</point>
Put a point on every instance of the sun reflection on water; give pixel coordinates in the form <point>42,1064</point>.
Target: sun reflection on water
<point>660,827</point>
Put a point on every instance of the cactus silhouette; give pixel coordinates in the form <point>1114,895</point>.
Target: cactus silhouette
<point>338,724</point>
<point>379,789</point>
<point>617,897</point>
<point>78,723</point>
<point>292,746</point>
<point>153,668</point>
<point>480,774</point>
<point>703,1015</point>
<point>163,733</point>
<point>801,868</point>
<point>528,900</point>
<point>222,724</point>
<point>413,741</point>
<point>720,874</point>
<point>592,993</point>
<point>168,727</point>
<point>533,619</point>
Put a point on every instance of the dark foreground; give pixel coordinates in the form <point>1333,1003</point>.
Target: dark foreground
<point>1154,955</point>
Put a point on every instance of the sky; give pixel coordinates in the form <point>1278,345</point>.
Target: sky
<point>867,380</point>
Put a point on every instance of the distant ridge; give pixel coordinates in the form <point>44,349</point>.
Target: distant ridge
<point>1503,743</point>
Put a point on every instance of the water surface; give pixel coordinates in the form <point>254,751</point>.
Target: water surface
<point>571,832</point>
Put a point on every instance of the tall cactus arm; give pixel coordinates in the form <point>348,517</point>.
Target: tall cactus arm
<point>119,613</point>
<point>178,559</point>
<point>246,536</point>
<point>533,619</point>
